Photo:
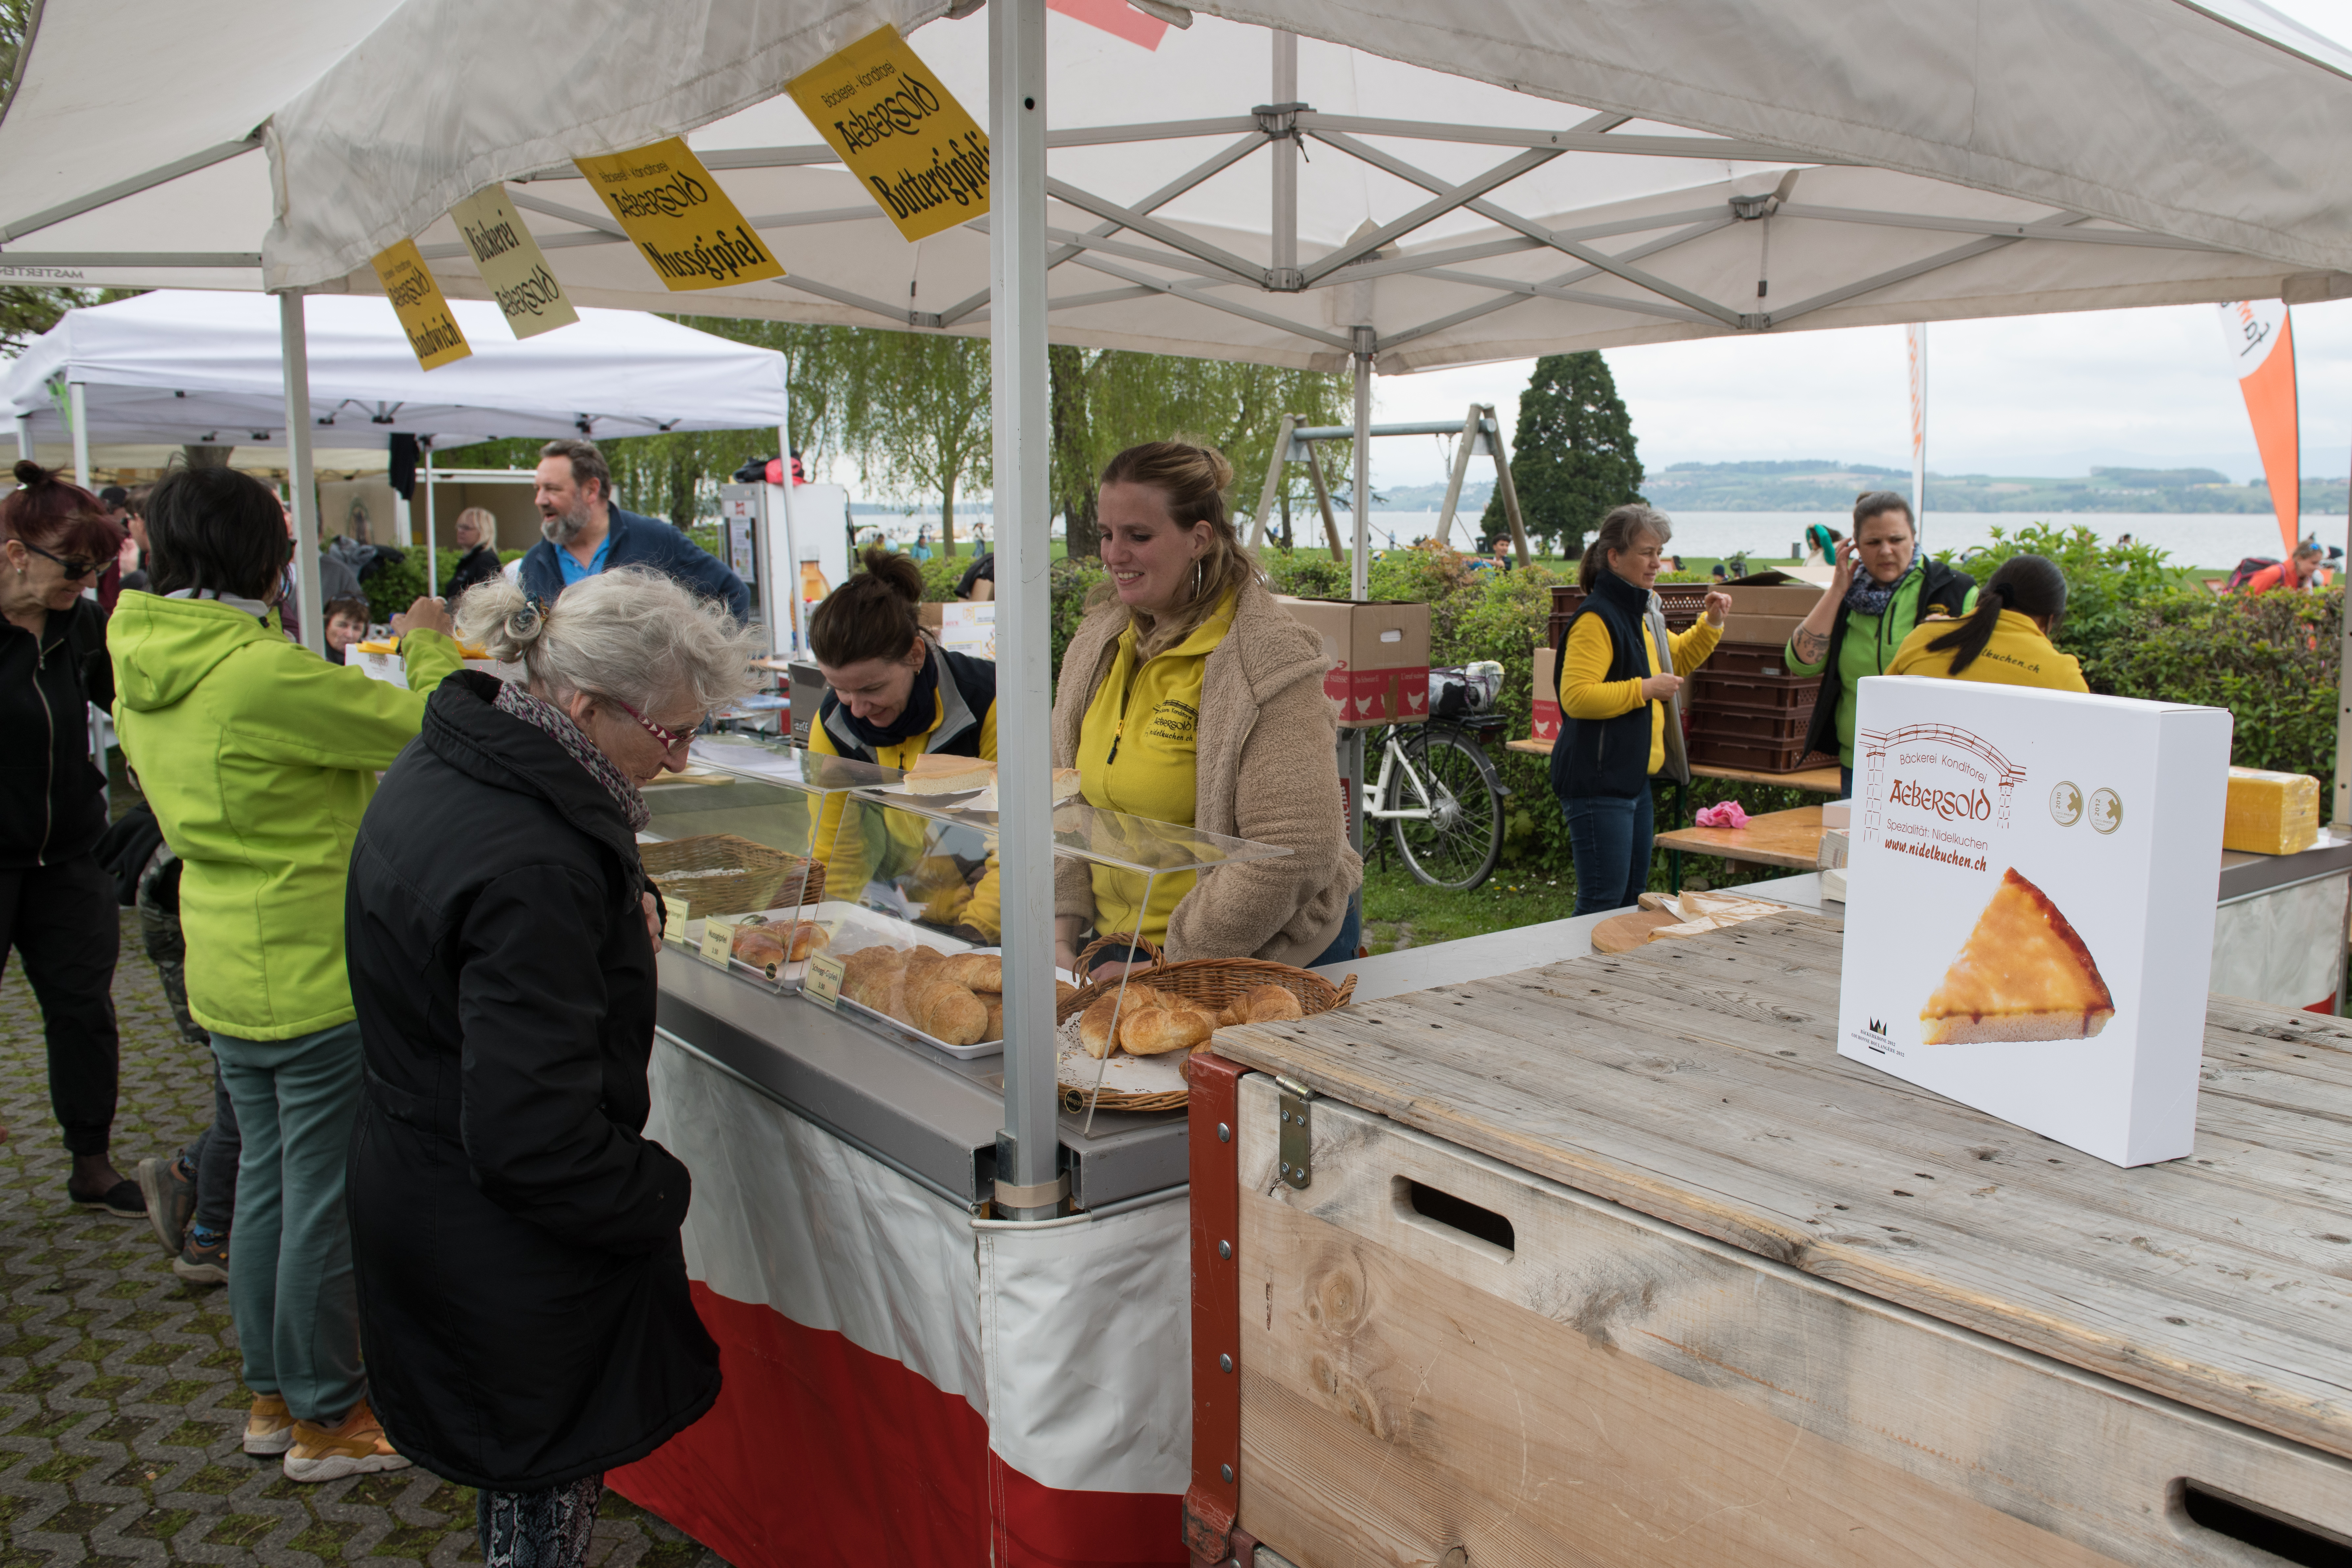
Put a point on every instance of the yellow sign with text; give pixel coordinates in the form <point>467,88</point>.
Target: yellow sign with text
<point>677,216</point>
<point>418,301</point>
<point>511,263</point>
<point>911,145</point>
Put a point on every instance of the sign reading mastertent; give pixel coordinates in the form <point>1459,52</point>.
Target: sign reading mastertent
<point>912,147</point>
<point>511,264</point>
<point>677,216</point>
<point>418,301</point>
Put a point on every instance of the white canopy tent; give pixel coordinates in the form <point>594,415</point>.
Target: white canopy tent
<point>1276,186</point>
<point>209,367</point>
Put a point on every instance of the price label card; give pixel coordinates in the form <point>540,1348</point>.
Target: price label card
<point>511,263</point>
<point>674,923</point>
<point>823,985</point>
<point>422,310</point>
<point>718,942</point>
<point>918,155</point>
<point>676,215</point>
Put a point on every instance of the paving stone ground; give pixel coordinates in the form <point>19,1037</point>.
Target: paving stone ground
<point>119,1400</point>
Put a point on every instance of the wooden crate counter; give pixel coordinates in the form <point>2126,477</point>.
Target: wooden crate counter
<point>1615,1261</point>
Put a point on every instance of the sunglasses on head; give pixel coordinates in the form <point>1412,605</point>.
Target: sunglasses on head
<point>74,566</point>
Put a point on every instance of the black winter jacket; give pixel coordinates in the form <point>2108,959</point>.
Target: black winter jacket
<point>478,564</point>
<point>52,798</point>
<point>523,1298</point>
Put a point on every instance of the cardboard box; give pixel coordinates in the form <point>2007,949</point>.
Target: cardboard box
<point>1547,706</point>
<point>1380,658</point>
<point>1838,814</point>
<point>966,627</point>
<point>1753,628</point>
<point>1772,594</point>
<point>2030,907</point>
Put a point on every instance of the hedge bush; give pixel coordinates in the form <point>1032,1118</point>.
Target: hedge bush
<point>2270,659</point>
<point>392,588</point>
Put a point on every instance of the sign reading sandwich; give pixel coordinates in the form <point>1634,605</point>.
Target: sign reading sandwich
<point>910,143</point>
<point>676,215</point>
<point>511,264</point>
<point>2030,905</point>
<point>418,301</point>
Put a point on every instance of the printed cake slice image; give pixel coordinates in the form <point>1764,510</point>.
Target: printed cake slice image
<point>2022,974</point>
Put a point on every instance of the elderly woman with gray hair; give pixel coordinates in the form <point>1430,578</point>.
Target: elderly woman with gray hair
<point>524,1295</point>
<point>1621,680</point>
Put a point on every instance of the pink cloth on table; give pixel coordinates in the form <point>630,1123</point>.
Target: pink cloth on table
<point>1729,814</point>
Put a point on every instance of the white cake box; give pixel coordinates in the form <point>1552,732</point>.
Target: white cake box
<point>2030,905</point>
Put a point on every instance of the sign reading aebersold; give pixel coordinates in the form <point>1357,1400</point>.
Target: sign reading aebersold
<point>510,263</point>
<point>418,301</point>
<point>679,217</point>
<point>908,141</point>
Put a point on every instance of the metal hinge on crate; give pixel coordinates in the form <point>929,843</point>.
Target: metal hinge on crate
<point>1295,1147</point>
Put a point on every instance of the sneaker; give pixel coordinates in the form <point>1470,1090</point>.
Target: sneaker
<point>122,1199</point>
<point>354,1447</point>
<point>268,1425</point>
<point>171,1199</point>
<point>200,1264</point>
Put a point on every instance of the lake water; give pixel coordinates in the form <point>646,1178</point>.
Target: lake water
<point>2193,539</point>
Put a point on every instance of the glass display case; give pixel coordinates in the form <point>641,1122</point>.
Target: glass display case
<point>858,868</point>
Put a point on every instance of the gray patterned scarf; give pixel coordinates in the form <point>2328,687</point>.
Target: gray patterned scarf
<point>515,702</point>
<point>1869,597</point>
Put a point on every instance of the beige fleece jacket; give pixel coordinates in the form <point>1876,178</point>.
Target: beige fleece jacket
<point>1267,770</point>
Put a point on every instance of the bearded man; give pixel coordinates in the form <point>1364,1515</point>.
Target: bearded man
<point>585,533</point>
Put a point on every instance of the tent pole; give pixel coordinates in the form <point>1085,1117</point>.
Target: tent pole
<point>78,402</point>
<point>1454,479</point>
<point>294,339</point>
<point>1359,481</point>
<point>431,581</point>
<point>23,436</point>
<point>1029,1183</point>
<point>1285,158</point>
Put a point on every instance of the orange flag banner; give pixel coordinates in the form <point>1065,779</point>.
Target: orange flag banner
<point>2260,341</point>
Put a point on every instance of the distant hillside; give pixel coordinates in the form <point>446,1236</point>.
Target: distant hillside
<point>1803,486</point>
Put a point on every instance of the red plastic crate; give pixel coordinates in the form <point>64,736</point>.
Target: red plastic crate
<point>1758,693</point>
<point>1757,756</point>
<point>1736,724</point>
<point>1752,658</point>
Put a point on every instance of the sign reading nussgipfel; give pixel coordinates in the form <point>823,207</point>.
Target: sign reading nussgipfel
<point>909,142</point>
<point>678,218</point>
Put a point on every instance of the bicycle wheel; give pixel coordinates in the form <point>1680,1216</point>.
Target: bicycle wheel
<point>1457,844</point>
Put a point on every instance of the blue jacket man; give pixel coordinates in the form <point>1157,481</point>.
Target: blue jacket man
<point>585,534</point>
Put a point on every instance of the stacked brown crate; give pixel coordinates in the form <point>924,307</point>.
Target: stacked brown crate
<point>1746,709</point>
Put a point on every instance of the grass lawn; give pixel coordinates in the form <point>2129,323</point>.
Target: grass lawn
<point>1399,913</point>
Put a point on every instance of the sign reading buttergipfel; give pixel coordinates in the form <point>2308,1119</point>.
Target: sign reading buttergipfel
<point>676,215</point>
<point>418,301</point>
<point>510,262</point>
<point>910,144</point>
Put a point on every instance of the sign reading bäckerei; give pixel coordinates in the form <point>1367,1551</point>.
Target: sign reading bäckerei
<point>418,301</point>
<point>2030,905</point>
<point>511,264</point>
<point>678,217</point>
<point>910,144</point>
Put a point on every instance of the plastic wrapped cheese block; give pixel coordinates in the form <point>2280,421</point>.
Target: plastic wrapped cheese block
<point>2271,813</point>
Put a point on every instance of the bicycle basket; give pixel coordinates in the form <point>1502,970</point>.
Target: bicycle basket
<point>1460,691</point>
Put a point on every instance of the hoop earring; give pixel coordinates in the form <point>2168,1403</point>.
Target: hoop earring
<point>1196,579</point>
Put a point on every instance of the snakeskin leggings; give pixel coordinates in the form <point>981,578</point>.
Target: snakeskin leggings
<point>550,1528</point>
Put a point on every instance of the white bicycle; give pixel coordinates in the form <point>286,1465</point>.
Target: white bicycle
<point>1435,788</point>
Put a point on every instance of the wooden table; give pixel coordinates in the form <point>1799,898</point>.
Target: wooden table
<point>1792,838</point>
<point>1619,1252</point>
<point>1821,780</point>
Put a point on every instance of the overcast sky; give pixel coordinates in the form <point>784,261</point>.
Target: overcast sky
<point>2035,395</point>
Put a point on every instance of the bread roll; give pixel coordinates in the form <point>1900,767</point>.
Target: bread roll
<point>1268,1004</point>
<point>995,1005</point>
<point>1062,992</point>
<point>1159,1030</point>
<point>761,947</point>
<point>948,1013</point>
<point>807,937</point>
<point>922,961</point>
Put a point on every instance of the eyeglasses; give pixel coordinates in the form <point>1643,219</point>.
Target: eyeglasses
<point>74,566</point>
<point>671,741</point>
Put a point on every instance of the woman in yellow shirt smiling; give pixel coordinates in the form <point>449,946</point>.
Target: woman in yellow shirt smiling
<point>1189,696</point>
<point>1621,680</point>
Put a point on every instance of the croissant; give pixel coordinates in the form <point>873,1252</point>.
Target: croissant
<point>1268,1004</point>
<point>976,970</point>
<point>995,1005</point>
<point>947,1011</point>
<point>1094,1026</point>
<point>1160,1030</point>
<point>807,937</point>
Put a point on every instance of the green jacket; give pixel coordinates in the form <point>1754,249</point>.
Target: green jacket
<point>259,757</point>
<point>1864,646</point>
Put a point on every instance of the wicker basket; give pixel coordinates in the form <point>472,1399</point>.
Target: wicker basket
<point>725,874</point>
<point>1214,984</point>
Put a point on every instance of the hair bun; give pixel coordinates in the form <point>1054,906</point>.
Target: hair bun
<point>30,474</point>
<point>525,623</point>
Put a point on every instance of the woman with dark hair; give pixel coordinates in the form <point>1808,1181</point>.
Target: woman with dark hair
<point>894,695</point>
<point>259,758</point>
<point>2006,640</point>
<point>1621,680</point>
<point>57,907</point>
<point>1189,696</point>
<point>1884,586</point>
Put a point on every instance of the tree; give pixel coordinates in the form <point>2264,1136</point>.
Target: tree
<point>918,414</point>
<point>1573,457</point>
<point>817,365</point>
